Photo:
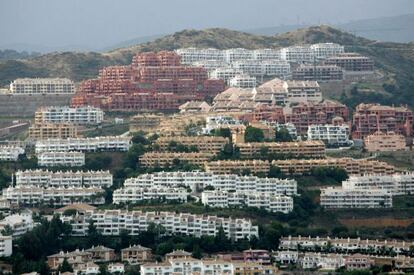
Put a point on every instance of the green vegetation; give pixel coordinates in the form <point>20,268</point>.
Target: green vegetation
<point>282,135</point>
<point>253,134</point>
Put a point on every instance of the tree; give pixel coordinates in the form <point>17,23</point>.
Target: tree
<point>7,231</point>
<point>253,134</point>
<point>222,132</point>
<point>275,172</point>
<point>139,138</point>
<point>94,236</point>
<point>131,158</point>
<point>197,252</point>
<point>65,267</point>
<point>282,135</point>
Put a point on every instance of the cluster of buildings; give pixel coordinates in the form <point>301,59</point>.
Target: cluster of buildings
<point>10,152</point>
<point>37,187</point>
<point>154,81</point>
<point>112,222</point>
<point>368,191</point>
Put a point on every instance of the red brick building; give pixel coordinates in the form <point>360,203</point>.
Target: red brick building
<point>371,118</point>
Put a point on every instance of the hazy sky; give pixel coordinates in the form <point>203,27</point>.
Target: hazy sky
<point>102,23</point>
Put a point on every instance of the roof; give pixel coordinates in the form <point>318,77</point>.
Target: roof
<point>76,206</point>
<point>137,248</point>
<point>99,248</point>
<point>178,253</point>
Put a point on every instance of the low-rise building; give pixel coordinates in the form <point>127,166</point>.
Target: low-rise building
<point>63,179</point>
<point>64,114</point>
<point>137,194</point>
<point>145,122</point>
<point>95,144</point>
<point>243,81</point>
<point>41,131</point>
<point>352,166</point>
<point>385,142</point>
<point>238,167</point>
<point>338,197</point>
<point>352,62</point>
<point>358,262</point>
<point>50,159</point>
<point>218,122</point>
<point>73,258</point>
<point>6,246</point>
<point>101,253</point>
<point>10,153</point>
<point>118,268</point>
<point>195,107</point>
<point>208,144</point>
<point>18,223</point>
<point>318,73</point>
<point>297,54</point>
<point>331,135</point>
<point>112,222</point>
<point>163,159</point>
<point>326,50</point>
<point>312,260</point>
<point>302,91</point>
<point>42,86</point>
<point>136,254</point>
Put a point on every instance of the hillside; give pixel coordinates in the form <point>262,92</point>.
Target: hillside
<point>395,59</point>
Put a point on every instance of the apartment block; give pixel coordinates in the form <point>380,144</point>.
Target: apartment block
<point>208,144</point>
<point>371,118</point>
<point>94,144</point>
<point>303,149</point>
<point>217,122</point>
<point>297,54</point>
<point>63,179</point>
<point>351,62</point>
<point>219,198</point>
<point>231,55</point>
<point>238,167</point>
<point>326,50</point>
<point>352,166</point>
<point>331,135</point>
<point>145,122</point>
<point>111,222</point>
<point>6,246</point>
<point>260,68</point>
<point>191,55</point>
<point>10,153</point>
<point>42,86</point>
<point>52,130</point>
<point>338,197</point>
<point>19,223</point>
<point>50,159</point>
<point>395,184</point>
<point>385,142</point>
<point>197,180</point>
<point>303,91</point>
<point>137,194</point>
<point>318,73</point>
<point>243,81</point>
<point>226,74</point>
<point>79,115</point>
<point>32,195</point>
<point>136,254</point>
<point>163,159</point>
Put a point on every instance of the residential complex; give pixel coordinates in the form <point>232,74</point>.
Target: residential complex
<point>160,193</point>
<point>243,81</point>
<point>327,50</point>
<point>260,68</point>
<point>351,62</point>
<point>42,86</point>
<point>271,203</point>
<point>318,73</point>
<point>18,223</point>
<point>145,122</point>
<point>385,142</point>
<point>80,115</point>
<point>63,179</point>
<point>300,149</point>
<point>238,167</point>
<point>331,135</point>
<point>10,153</point>
<point>41,131</point>
<point>209,144</point>
<point>297,54</point>
<point>71,159</point>
<point>111,222</point>
<point>338,197</point>
<point>96,144</point>
<point>136,254</point>
<point>163,159</point>
<point>302,91</point>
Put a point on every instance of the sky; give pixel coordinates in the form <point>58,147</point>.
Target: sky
<point>96,24</point>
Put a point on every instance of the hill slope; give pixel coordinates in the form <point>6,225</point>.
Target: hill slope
<point>395,59</point>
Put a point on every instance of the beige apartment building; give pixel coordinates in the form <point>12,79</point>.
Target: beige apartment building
<point>41,131</point>
<point>237,166</point>
<point>162,159</point>
<point>385,142</point>
<point>304,149</point>
<point>145,122</point>
<point>208,144</point>
<point>352,166</point>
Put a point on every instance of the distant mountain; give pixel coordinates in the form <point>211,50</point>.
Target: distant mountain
<point>391,29</point>
<point>396,60</point>
<point>12,54</point>
<point>131,42</point>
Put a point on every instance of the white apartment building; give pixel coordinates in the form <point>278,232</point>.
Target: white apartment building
<point>266,54</point>
<point>243,81</point>
<point>10,153</point>
<point>331,135</point>
<point>63,179</point>
<point>261,68</point>
<point>42,86</point>
<point>312,260</point>
<point>338,197</point>
<point>111,222</point>
<point>199,180</point>
<point>297,54</point>
<point>19,223</point>
<point>326,50</point>
<point>210,65</point>
<point>302,91</point>
<point>191,55</point>
<point>347,245</point>
<point>137,194</point>
<point>396,184</point>
<point>93,144</point>
<point>32,195</point>
<point>235,54</point>
<point>49,159</point>
<point>218,198</point>
<point>6,246</point>
<point>65,114</point>
<point>217,122</point>
<point>225,74</point>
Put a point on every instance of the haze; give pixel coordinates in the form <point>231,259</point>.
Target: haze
<point>96,24</point>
